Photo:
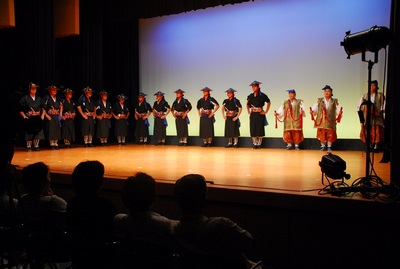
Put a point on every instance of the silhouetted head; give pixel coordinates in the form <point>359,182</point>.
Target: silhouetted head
<point>88,177</point>
<point>139,192</point>
<point>36,178</point>
<point>191,193</point>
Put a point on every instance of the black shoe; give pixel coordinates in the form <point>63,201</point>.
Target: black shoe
<point>235,145</point>
<point>255,147</point>
<point>91,145</point>
<point>56,148</point>
<point>184,144</point>
<point>229,146</point>
<point>36,149</point>
<point>204,145</point>
<point>180,144</point>
<point>209,145</point>
<point>29,149</point>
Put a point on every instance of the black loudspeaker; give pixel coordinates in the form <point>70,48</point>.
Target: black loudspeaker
<point>333,166</point>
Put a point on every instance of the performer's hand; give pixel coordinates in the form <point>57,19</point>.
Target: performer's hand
<point>48,117</point>
<point>224,117</point>
<point>85,117</point>
<point>211,115</point>
<point>184,115</point>
<point>235,118</point>
<point>162,117</point>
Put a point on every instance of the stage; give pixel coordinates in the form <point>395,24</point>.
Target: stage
<point>262,170</point>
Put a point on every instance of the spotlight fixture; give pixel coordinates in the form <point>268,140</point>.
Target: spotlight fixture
<point>373,39</point>
<point>333,166</point>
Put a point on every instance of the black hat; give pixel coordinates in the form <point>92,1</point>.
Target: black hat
<point>327,87</point>
<point>291,91</point>
<point>68,90</point>
<point>33,85</point>
<point>206,89</point>
<point>103,92</point>
<point>230,90</point>
<point>375,82</point>
<point>179,91</point>
<point>122,96</point>
<point>52,87</point>
<point>159,93</point>
<point>87,89</point>
<point>142,94</point>
<point>255,82</point>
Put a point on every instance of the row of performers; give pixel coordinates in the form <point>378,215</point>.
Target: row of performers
<point>325,113</point>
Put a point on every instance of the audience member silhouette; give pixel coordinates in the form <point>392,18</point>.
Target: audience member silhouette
<point>40,208</point>
<point>7,203</point>
<point>215,242</point>
<point>90,218</point>
<point>138,195</point>
<point>145,237</point>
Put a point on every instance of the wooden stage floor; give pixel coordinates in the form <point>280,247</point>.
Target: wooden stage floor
<point>267,169</point>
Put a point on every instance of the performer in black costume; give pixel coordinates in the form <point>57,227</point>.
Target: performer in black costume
<point>86,107</point>
<point>142,112</point>
<point>53,108</point>
<point>180,109</point>
<point>207,106</point>
<point>33,114</point>
<point>68,116</point>
<point>231,110</point>
<point>255,107</point>
<point>161,110</point>
<point>103,115</point>
<point>120,112</point>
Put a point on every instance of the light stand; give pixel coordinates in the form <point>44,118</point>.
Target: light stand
<point>373,40</point>
<point>367,179</point>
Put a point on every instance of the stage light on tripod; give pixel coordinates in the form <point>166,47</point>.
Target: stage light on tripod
<point>373,39</point>
<point>333,166</point>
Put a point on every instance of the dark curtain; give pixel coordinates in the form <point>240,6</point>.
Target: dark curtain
<point>35,43</point>
<point>91,30</point>
<point>154,8</point>
<point>392,120</point>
